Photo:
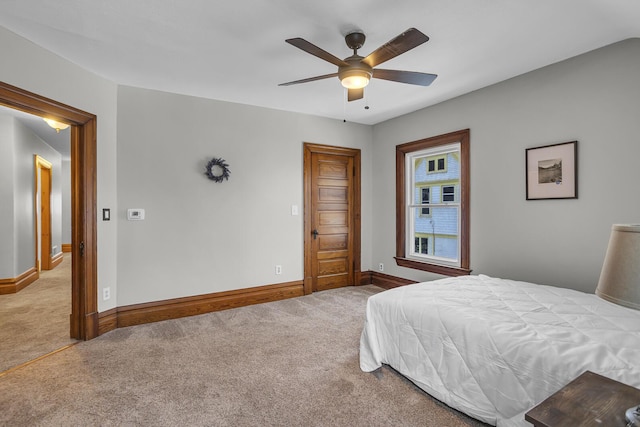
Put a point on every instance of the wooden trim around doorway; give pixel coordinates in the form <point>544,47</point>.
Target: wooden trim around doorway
<point>84,300</point>
<point>309,149</point>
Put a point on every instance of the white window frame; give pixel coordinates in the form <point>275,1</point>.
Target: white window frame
<point>411,185</point>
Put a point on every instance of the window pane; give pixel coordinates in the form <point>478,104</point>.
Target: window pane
<point>425,195</point>
<point>432,165</point>
<point>448,194</point>
<point>441,164</point>
<point>425,198</point>
<point>424,245</point>
<point>441,228</point>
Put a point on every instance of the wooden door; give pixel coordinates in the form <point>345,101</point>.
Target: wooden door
<point>42,204</point>
<point>332,217</point>
<point>45,218</point>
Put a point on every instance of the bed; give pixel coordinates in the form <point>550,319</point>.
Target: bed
<point>494,348</point>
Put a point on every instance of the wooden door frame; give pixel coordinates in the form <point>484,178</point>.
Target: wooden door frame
<point>84,290</point>
<point>45,261</point>
<point>310,149</point>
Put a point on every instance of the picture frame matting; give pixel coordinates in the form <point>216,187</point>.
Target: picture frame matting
<point>552,171</point>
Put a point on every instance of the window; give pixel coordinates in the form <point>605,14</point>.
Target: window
<point>425,199</point>
<point>422,245</point>
<point>448,193</point>
<point>437,164</point>
<point>433,172</point>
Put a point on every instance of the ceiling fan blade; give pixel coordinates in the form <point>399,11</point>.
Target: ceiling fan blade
<point>399,45</point>
<point>355,94</point>
<point>316,51</point>
<point>410,77</point>
<point>310,79</point>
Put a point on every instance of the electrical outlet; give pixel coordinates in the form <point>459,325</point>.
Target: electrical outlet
<point>381,267</point>
<point>278,269</point>
<point>106,293</point>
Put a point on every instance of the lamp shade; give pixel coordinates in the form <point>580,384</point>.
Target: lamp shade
<point>620,276</point>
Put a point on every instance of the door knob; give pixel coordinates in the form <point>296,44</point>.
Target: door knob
<point>315,234</point>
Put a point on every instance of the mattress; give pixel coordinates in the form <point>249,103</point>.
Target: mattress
<point>494,348</point>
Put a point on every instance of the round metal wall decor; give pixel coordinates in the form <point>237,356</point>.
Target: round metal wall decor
<point>217,170</point>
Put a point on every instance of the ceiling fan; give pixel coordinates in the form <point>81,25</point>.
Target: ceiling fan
<point>355,71</point>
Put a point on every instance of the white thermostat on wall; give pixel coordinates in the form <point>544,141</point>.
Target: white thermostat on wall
<point>135,214</point>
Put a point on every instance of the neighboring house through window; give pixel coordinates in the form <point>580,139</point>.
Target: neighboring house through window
<point>432,185</point>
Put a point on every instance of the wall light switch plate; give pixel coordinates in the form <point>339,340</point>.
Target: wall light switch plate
<point>135,214</point>
<point>294,209</point>
<point>106,214</point>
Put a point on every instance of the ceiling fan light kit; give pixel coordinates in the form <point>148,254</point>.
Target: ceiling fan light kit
<point>355,72</point>
<point>354,78</point>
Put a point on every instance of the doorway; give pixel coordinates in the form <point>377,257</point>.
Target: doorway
<point>331,217</point>
<point>84,304</point>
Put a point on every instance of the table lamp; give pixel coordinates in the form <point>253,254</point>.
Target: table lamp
<point>620,280</point>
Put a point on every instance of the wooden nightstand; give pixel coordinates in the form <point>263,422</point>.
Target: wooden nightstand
<point>589,400</point>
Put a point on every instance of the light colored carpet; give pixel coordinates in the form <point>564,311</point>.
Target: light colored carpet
<point>35,321</point>
<point>285,363</point>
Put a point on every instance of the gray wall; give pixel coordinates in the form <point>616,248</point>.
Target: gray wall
<point>66,201</point>
<point>7,238</point>
<point>594,99</point>
<point>18,191</point>
<point>200,236</point>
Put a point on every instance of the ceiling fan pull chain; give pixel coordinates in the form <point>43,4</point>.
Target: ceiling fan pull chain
<point>344,105</point>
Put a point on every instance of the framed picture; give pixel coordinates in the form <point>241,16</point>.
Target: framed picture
<point>552,171</point>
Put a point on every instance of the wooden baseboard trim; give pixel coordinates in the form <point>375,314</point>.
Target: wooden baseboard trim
<point>366,278</point>
<point>386,281</point>
<point>66,247</point>
<point>56,260</point>
<point>156,311</point>
<point>14,285</point>
<point>107,321</point>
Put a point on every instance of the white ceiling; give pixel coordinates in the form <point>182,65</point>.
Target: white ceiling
<point>235,50</point>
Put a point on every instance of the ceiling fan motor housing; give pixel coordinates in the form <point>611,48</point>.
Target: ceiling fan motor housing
<point>355,40</point>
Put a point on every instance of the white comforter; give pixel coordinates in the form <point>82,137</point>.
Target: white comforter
<point>494,348</point>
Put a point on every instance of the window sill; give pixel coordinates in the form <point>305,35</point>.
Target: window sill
<point>432,268</point>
